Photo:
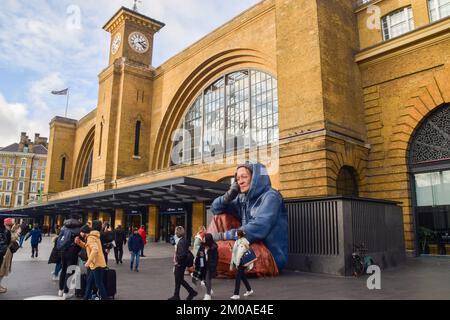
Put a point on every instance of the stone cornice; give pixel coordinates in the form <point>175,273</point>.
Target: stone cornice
<point>22,155</point>
<point>125,14</point>
<point>411,41</point>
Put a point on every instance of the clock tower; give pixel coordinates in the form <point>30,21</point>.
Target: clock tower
<point>124,107</point>
<point>132,36</point>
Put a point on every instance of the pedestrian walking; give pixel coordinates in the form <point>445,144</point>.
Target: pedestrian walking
<point>180,264</point>
<point>9,235</point>
<point>241,246</point>
<point>68,252</point>
<point>36,238</point>
<point>211,258</point>
<point>143,235</point>
<point>135,245</point>
<point>120,240</point>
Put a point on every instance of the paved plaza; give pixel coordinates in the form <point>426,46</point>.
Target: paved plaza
<point>419,278</point>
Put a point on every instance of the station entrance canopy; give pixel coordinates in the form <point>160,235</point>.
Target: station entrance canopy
<point>174,192</point>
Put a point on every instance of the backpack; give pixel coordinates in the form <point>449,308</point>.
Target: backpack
<point>65,239</point>
<point>189,259</point>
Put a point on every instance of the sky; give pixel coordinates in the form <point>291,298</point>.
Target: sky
<point>55,44</point>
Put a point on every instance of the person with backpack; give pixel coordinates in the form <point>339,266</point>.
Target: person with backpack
<point>7,237</point>
<point>120,240</point>
<point>135,244</point>
<point>183,258</point>
<point>68,251</point>
<point>36,238</point>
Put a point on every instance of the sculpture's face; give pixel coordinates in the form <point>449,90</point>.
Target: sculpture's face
<point>244,179</point>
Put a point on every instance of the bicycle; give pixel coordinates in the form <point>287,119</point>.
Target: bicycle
<point>360,262</point>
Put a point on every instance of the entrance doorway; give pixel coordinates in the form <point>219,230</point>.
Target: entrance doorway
<point>167,226</point>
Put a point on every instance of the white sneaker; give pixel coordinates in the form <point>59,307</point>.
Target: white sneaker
<point>248,293</point>
<point>67,296</point>
<point>203,283</point>
<point>3,290</point>
<point>235,297</point>
<point>212,292</point>
<point>207,297</point>
<point>55,278</point>
<point>60,293</point>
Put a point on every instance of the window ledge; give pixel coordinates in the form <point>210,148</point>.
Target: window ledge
<point>137,157</point>
<point>412,40</point>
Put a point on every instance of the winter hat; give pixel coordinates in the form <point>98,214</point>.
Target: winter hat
<point>85,229</point>
<point>8,222</point>
<point>96,225</point>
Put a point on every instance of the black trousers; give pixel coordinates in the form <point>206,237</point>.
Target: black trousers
<point>34,249</point>
<point>241,276</point>
<point>179,281</point>
<point>63,276</point>
<point>118,253</point>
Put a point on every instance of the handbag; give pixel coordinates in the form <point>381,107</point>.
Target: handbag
<point>248,258</point>
<point>14,246</point>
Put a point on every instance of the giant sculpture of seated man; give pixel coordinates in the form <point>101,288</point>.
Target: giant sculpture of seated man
<point>251,204</point>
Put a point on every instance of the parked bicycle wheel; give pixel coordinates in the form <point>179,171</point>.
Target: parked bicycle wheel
<point>358,267</point>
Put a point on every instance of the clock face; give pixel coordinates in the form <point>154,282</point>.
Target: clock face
<point>116,43</point>
<point>138,42</point>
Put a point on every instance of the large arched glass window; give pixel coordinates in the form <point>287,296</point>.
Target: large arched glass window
<point>239,110</point>
<point>429,163</point>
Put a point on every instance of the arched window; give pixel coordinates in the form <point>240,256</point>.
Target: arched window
<point>101,139</point>
<point>137,134</point>
<point>429,164</point>
<point>88,172</point>
<point>237,111</point>
<point>347,183</point>
<point>431,141</point>
<point>63,168</point>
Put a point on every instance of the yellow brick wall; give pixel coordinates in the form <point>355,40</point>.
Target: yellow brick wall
<point>198,216</point>
<point>152,222</point>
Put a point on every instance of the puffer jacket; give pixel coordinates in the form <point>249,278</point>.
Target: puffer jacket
<point>262,214</point>
<point>93,246</point>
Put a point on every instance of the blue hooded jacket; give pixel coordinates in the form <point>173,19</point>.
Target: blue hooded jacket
<point>36,237</point>
<point>262,213</point>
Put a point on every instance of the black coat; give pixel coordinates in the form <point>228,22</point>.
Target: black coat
<point>182,252</point>
<point>55,255</point>
<point>212,259</point>
<point>5,240</point>
<point>120,237</point>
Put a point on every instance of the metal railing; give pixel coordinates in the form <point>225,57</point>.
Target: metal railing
<point>324,231</point>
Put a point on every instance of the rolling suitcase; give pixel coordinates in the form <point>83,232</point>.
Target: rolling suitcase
<point>110,283</point>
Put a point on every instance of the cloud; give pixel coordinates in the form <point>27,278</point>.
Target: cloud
<point>60,43</point>
<point>14,119</point>
<point>40,90</point>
